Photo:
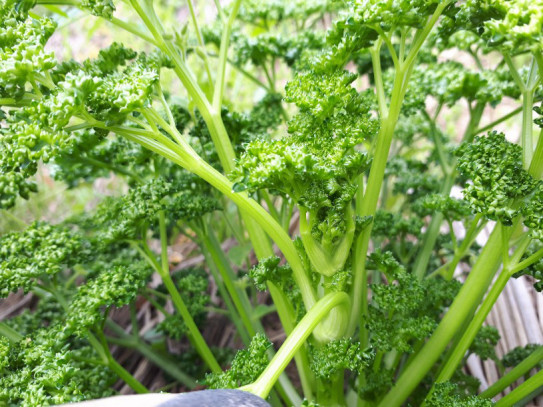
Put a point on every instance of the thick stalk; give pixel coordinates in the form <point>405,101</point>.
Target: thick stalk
<point>371,198</point>
<point>330,392</point>
<point>522,391</point>
<point>213,119</point>
<point>473,328</point>
<point>460,310</point>
<point>286,315</point>
<point>325,258</point>
<point>262,386</point>
<point>536,166</point>
<point>243,305</point>
<point>514,374</point>
<point>377,171</point>
<point>368,208</point>
<point>262,247</point>
<point>265,220</point>
<point>187,158</point>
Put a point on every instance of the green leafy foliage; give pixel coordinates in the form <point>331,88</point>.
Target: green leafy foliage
<point>41,251</point>
<point>451,208</point>
<point>337,356</point>
<point>518,354</point>
<point>49,372</point>
<point>22,47</point>
<point>116,287</point>
<point>450,82</point>
<point>412,178</point>
<point>245,368</point>
<point>299,159</point>
<point>532,211</point>
<point>95,91</point>
<point>125,218</point>
<point>445,395</point>
<point>193,285</point>
<point>255,12</point>
<point>396,316</point>
<point>484,344</point>
<point>101,8</point>
<point>511,26</point>
<point>392,225</point>
<point>535,270</point>
<point>269,269</point>
<point>317,164</point>
<point>266,48</point>
<point>494,166</point>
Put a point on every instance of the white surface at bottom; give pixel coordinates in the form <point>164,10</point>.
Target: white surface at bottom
<point>136,400</point>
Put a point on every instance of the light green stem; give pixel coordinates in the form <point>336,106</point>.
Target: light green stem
<point>286,315</point>
<point>200,39</point>
<point>185,156</point>
<point>514,374</point>
<point>473,328</point>
<point>369,203</point>
<point>223,54</point>
<point>262,386</point>
<point>377,171</point>
<point>375,53</point>
<point>536,166</point>
<point>194,335</point>
<point>527,137</point>
<point>527,90</point>
<point>158,359</point>
<point>240,300</point>
<point>522,391</point>
<point>430,237</point>
<point>114,365</point>
<point>493,124</point>
<point>10,333</point>
<point>223,291</point>
<point>460,310</point>
<point>471,234</point>
<point>131,28</point>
